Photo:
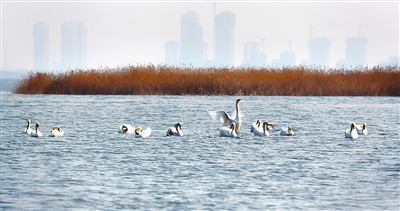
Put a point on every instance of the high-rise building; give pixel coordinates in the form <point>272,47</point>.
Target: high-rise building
<point>356,54</point>
<point>40,46</point>
<point>252,55</point>
<point>319,51</point>
<point>172,53</point>
<point>191,45</point>
<point>224,24</point>
<point>73,45</point>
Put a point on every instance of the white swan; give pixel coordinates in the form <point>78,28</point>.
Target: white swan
<point>352,132</point>
<point>175,131</point>
<point>36,132</point>
<point>287,131</point>
<point>55,132</point>
<point>140,133</point>
<point>126,128</point>
<point>227,120</point>
<point>228,131</point>
<point>28,130</point>
<point>361,129</point>
<point>262,131</point>
<point>255,125</point>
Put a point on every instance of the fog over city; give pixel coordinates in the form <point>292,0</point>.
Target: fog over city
<point>136,32</point>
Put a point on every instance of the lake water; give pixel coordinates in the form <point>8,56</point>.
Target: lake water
<point>93,167</point>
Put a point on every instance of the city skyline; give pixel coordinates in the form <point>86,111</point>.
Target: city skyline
<point>73,47</point>
<point>120,34</point>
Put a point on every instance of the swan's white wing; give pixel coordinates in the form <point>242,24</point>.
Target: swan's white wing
<point>259,131</point>
<point>364,132</point>
<point>226,132</point>
<point>360,130</point>
<point>222,116</point>
<point>34,134</point>
<point>234,114</point>
<point>146,133</point>
<point>129,127</point>
<point>28,131</point>
<point>56,133</point>
<point>171,132</point>
<point>353,134</point>
<point>285,132</point>
<point>253,126</point>
<point>347,133</point>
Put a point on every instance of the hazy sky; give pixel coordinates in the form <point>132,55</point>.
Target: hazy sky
<point>132,32</point>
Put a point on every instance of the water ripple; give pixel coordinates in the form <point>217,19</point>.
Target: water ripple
<point>95,167</point>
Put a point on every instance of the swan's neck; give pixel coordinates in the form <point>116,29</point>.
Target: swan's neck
<point>237,111</point>
<point>265,127</point>
<point>29,125</point>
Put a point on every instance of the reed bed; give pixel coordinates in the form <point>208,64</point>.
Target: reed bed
<point>166,80</point>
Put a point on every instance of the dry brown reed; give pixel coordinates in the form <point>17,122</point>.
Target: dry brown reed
<point>165,80</point>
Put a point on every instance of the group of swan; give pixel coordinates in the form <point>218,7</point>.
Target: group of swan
<point>54,132</point>
<point>230,128</point>
<point>231,124</point>
<point>356,130</point>
<point>140,133</point>
<point>259,130</point>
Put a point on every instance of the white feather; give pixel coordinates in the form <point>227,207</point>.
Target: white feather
<point>36,132</point>
<point>352,132</point>
<point>262,131</point>
<point>140,133</point>
<point>126,128</point>
<point>56,132</point>
<point>228,131</point>
<point>287,131</point>
<point>174,131</point>
<point>226,119</point>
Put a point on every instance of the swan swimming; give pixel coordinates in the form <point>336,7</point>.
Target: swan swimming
<point>140,133</point>
<point>352,132</point>
<point>126,128</point>
<point>255,125</point>
<point>36,132</point>
<point>287,131</point>
<point>175,131</point>
<point>28,130</point>
<point>227,120</point>
<point>262,131</point>
<point>55,132</point>
<point>228,131</point>
<point>361,129</point>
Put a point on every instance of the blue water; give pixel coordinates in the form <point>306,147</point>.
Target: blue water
<point>93,167</point>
